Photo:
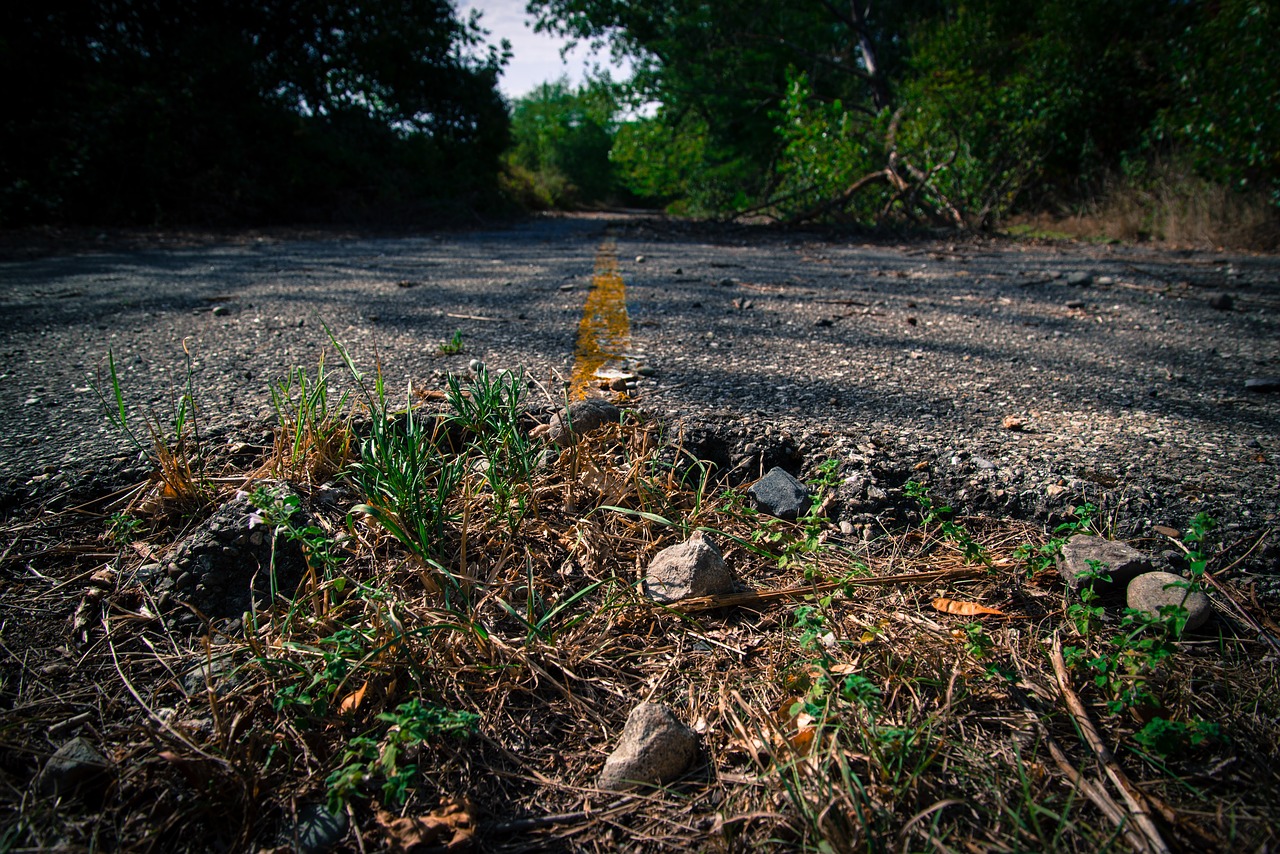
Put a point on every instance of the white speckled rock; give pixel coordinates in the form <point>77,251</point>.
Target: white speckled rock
<point>655,748</point>
<point>692,568</point>
<point>1153,590</point>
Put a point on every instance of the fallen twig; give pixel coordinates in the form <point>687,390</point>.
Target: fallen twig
<point>1134,799</point>
<point>760,597</point>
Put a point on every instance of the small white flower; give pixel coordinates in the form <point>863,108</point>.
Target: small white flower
<point>255,519</point>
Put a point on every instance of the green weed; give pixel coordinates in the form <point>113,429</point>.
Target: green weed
<point>948,528</point>
<point>453,346</point>
<point>383,756</point>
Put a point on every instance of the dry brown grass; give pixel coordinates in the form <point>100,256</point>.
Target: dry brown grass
<point>843,713</point>
<point>1172,206</point>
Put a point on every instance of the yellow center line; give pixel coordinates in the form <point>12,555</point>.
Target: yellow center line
<point>604,335</point>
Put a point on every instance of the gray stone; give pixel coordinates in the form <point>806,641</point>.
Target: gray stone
<point>655,748</point>
<point>1153,590</point>
<point>779,494</point>
<point>75,765</point>
<point>218,673</point>
<point>1262,384</point>
<point>318,830</point>
<point>692,568</point>
<point>1120,561</point>
<point>582,416</point>
<point>1079,278</point>
<point>1221,302</point>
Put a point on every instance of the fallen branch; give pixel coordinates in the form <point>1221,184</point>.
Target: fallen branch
<point>1134,799</point>
<point>761,597</point>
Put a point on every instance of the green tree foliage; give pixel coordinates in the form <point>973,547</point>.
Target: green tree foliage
<point>1227,109</point>
<point>561,137</point>
<point>933,109</point>
<point>149,111</point>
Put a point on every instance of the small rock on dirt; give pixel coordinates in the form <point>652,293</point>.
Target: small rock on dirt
<point>655,748</point>
<point>75,765</point>
<point>1151,591</point>
<point>582,416</point>
<point>1120,561</point>
<point>779,494</point>
<point>318,830</point>
<point>1263,384</point>
<point>1079,278</point>
<point>692,568</point>
<point>1221,302</point>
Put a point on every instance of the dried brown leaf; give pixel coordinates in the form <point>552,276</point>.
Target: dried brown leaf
<point>962,608</point>
<point>452,826</point>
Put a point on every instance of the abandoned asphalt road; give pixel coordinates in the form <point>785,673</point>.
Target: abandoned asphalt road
<point>1004,370</point>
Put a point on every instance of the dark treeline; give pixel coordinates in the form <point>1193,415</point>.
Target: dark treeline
<point>1154,112</point>
<point>150,111</point>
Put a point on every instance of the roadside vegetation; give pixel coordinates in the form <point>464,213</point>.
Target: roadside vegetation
<point>469,635</point>
<point>1135,120</point>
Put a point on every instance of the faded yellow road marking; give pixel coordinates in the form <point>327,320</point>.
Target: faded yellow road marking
<point>604,335</point>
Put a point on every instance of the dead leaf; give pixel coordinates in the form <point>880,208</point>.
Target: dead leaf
<point>1167,531</point>
<point>964,609</point>
<point>1013,422</point>
<point>352,701</point>
<point>451,826</point>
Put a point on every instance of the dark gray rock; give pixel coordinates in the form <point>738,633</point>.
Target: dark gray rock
<point>1262,384</point>
<point>75,766</point>
<point>779,494</point>
<point>1121,561</point>
<point>318,830</point>
<point>655,748</point>
<point>692,568</point>
<point>1151,591</point>
<point>582,416</point>
<point>1079,278</point>
<point>224,566</point>
<point>1221,302</point>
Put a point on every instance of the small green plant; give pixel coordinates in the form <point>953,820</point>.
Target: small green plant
<point>384,757</point>
<point>174,448</point>
<point>1126,672</point>
<point>279,511</point>
<point>1161,737</point>
<point>123,528</point>
<point>1039,559</point>
<point>977,642</point>
<point>313,441</point>
<point>453,346</point>
<point>313,693</point>
<point>948,528</point>
<point>487,408</point>
<point>1087,613</point>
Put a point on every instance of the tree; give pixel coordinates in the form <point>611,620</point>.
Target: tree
<point>561,139</point>
<point>151,111</point>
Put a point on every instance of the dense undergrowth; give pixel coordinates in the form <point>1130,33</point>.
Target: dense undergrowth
<point>470,635</point>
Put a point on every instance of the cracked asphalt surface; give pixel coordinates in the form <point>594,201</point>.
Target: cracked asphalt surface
<point>971,362</point>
